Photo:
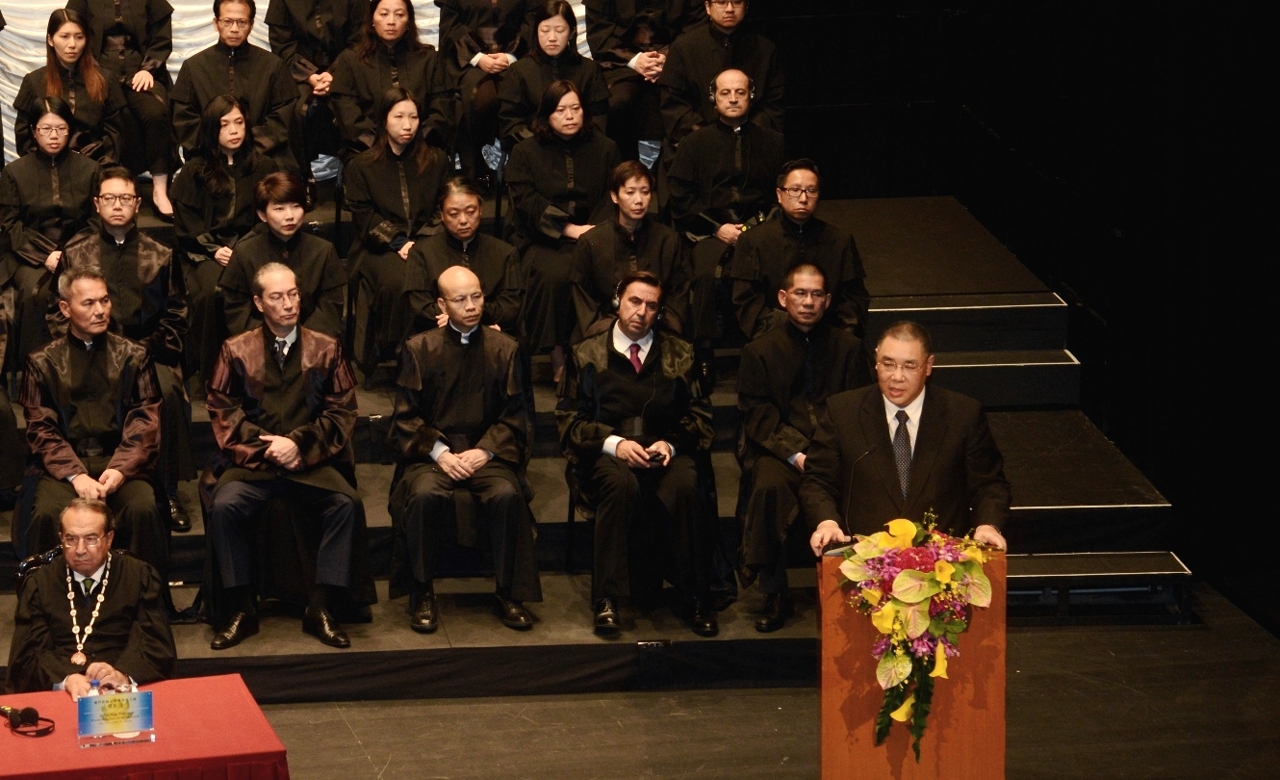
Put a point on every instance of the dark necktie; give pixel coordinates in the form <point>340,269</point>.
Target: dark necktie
<point>635,357</point>
<point>280,345</point>
<point>902,451</point>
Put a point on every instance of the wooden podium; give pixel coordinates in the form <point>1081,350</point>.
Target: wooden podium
<point>964,737</point>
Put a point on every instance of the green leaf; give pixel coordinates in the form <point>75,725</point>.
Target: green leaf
<point>892,670</point>
<point>978,592</point>
<point>913,586</point>
<point>916,618</point>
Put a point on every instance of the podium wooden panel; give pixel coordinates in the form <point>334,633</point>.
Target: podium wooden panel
<point>965,733</point>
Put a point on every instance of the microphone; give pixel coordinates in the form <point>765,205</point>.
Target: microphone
<point>848,489</point>
<point>27,716</point>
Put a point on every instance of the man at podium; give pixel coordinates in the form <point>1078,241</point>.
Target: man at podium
<point>900,449</point>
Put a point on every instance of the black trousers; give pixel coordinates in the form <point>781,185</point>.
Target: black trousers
<point>176,463</point>
<point>634,115</point>
<point>706,323</point>
<point>771,512</point>
<point>636,507</point>
<point>140,527</point>
<point>237,506</point>
<point>151,110</point>
<point>207,327</point>
<point>431,516</point>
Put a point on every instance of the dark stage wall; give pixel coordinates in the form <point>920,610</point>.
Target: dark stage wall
<point>1122,151</point>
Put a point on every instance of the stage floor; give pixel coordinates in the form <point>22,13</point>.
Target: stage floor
<point>1191,702</point>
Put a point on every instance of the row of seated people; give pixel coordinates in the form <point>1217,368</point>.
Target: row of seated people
<point>633,418</point>
<point>316,90</point>
<point>563,182</point>
<point>722,182</point>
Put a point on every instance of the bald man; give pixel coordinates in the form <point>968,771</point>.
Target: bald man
<point>462,428</point>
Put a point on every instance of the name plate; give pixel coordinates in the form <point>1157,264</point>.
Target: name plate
<point>115,719</point>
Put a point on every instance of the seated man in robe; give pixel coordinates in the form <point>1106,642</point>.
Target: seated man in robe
<point>149,305</point>
<point>92,404</point>
<point>282,404</point>
<point>783,382</point>
<point>462,424</point>
<point>91,615</point>
<point>632,416</point>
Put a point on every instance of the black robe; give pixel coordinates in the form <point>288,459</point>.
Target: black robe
<point>471,396</point>
<point>471,27</point>
<point>524,83</point>
<point>493,260</point>
<point>784,379</point>
<point>608,252</point>
<point>766,253</point>
<point>202,224</point>
<point>129,36</point>
<point>693,62</point>
<point>131,632</point>
<point>322,282</point>
<point>256,76</point>
<point>95,131</point>
<point>553,183</point>
<point>358,87</point>
<point>44,201</point>
<point>391,204</point>
<point>148,305</point>
<point>310,34</point>
<point>618,30</point>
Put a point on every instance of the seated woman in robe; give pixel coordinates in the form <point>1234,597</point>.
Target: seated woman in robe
<point>392,190</point>
<point>213,206</point>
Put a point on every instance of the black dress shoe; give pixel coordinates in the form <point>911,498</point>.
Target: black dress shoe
<point>321,625</point>
<point>179,520</point>
<point>607,622</point>
<point>777,608</point>
<point>512,613</point>
<point>704,619</point>
<point>241,626</point>
<point>425,619</point>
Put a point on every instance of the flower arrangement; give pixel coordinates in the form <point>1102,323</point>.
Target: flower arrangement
<point>917,584</point>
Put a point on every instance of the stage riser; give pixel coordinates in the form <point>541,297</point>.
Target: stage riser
<point>1014,386</point>
<point>978,328</point>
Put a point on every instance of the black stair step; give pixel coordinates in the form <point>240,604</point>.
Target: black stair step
<point>1036,320</point>
<point>1011,378</point>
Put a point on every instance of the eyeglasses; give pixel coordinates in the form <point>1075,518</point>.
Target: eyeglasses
<point>796,192</point>
<point>723,3</point>
<point>458,300</point>
<point>123,200</point>
<point>804,295</point>
<point>91,541</point>
<point>236,24</point>
<point>52,130</point>
<point>891,367</point>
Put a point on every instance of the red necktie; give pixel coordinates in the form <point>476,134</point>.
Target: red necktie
<point>635,357</point>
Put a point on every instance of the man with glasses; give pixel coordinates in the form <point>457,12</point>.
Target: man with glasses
<point>784,380</point>
<point>118,596</point>
<point>462,427</point>
<point>764,256</point>
<point>92,404</point>
<point>235,66</point>
<point>282,405</point>
<point>149,305</point>
<point>705,50</point>
<point>900,449</point>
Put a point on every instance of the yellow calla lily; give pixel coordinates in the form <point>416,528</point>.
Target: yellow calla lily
<point>943,571</point>
<point>901,534</point>
<point>903,713</point>
<point>975,554</point>
<point>939,662</point>
<point>883,618</point>
<point>872,596</point>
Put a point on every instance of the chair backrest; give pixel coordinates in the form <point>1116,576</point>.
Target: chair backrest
<point>28,566</point>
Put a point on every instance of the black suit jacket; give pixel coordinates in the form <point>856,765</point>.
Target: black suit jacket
<point>956,471</point>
